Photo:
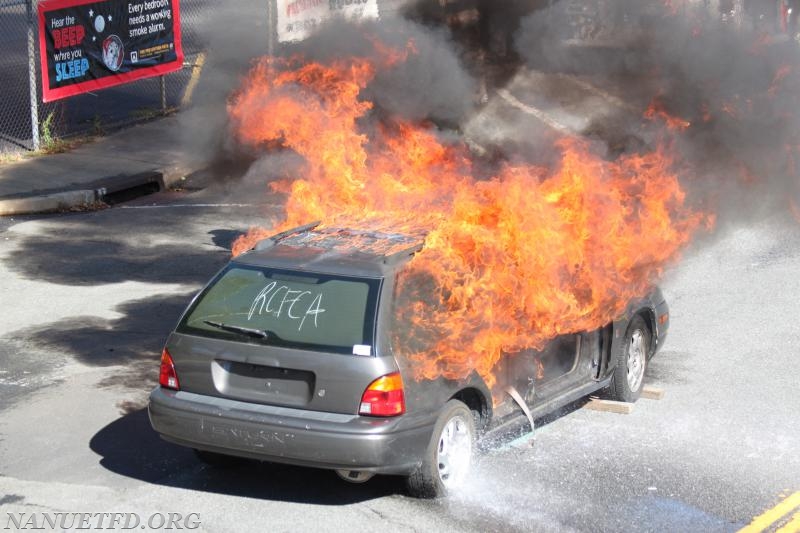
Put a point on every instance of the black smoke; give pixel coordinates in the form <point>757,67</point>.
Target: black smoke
<point>732,73</point>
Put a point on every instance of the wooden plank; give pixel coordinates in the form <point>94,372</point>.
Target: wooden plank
<point>609,406</point>
<point>652,393</point>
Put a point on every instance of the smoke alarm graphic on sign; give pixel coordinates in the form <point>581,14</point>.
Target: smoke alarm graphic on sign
<point>113,52</point>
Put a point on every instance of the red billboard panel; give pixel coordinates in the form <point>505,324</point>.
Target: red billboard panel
<point>86,45</point>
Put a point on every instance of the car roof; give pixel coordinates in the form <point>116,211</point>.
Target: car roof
<point>334,250</point>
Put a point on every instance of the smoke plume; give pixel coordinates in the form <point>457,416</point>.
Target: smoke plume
<point>732,77</point>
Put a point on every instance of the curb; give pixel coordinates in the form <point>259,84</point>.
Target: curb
<point>85,198</point>
<point>47,203</point>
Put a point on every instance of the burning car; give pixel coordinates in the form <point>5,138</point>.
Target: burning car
<point>296,352</point>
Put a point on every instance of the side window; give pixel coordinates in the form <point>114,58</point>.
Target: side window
<point>559,357</point>
<point>556,359</point>
<point>415,302</point>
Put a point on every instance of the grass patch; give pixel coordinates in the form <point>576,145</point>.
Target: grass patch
<point>49,141</point>
<point>7,158</point>
<point>149,113</point>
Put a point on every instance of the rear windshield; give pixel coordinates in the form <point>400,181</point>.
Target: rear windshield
<point>287,308</point>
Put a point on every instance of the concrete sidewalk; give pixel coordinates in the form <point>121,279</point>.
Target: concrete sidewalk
<point>147,154</point>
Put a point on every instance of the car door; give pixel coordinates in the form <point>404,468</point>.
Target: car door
<point>563,365</point>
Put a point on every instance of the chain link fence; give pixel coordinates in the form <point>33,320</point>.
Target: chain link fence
<point>15,113</point>
<point>27,123</point>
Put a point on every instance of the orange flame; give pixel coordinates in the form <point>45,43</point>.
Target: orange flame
<point>705,111</point>
<point>674,6</point>
<point>780,76</point>
<point>539,369</point>
<point>656,109</point>
<point>731,109</point>
<point>509,262</point>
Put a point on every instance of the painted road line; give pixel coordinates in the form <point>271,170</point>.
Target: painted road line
<point>769,518</point>
<point>608,97</point>
<point>534,111</point>
<point>197,69</point>
<point>793,526</point>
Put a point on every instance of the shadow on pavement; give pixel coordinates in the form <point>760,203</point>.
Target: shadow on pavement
<point>134,340</point>
<point>99,248</point>
<point>224,238</point>
<point>129,447</point>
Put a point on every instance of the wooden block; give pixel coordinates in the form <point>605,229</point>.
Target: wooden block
<point>652,393</point>
<point>609,406</point>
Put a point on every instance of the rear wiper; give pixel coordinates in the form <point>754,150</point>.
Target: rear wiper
<point>257,333</point>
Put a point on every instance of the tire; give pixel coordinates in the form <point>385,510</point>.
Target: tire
<point>218,460</point>
<point>449,455</point>
<point>628,377</point>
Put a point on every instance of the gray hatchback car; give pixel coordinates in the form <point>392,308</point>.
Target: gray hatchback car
<point>289,355</point>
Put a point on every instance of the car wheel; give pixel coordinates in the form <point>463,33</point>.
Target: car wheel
<point>448,458</point>
<point>217,459</point>
<point>628,378</point>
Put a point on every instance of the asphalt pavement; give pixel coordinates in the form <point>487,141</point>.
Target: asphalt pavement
<point>80,353</point>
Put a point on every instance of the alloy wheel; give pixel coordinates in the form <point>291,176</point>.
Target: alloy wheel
<point>637,356</point>
<point>454,453</point>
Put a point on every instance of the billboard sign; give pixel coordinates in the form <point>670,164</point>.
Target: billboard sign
<point>298,18</point>
<point>86,45</point>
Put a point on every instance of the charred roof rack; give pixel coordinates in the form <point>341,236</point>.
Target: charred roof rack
<point>269,242</point>
<point>387,258</point>
<point>396,257</point>
<point>388,248</point>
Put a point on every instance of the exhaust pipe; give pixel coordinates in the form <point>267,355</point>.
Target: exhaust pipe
<point>355,476</point>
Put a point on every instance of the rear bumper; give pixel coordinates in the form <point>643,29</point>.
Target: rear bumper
<point>294,436</point>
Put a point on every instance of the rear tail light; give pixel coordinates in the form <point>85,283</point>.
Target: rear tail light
<point>168,378</point>
<point>384,397</point>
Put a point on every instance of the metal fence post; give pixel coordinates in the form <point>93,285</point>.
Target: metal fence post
<point>163,84</point>
<point>271,27</point>
<point>32,76</point>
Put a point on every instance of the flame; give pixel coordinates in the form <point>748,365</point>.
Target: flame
<point>731,109</point>
<point>673,7</point>
<point>705,112</point>
<point>657,109</point>
<point>509,262</point>
<point>780,75</point>
<point>539,368</point>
